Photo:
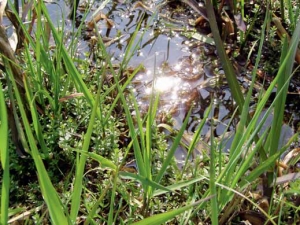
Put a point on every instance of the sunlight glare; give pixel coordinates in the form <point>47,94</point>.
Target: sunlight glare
<point>148,72</point>
<point>178,67</point>
<point>148,90</point>
<point>164,84</point>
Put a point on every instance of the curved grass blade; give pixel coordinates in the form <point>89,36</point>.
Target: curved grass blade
<point>104,162</point>
<point>164,217</point>
<point>144,181</point>
<point>178,186</point>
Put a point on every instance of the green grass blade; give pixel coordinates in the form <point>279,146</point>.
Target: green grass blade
<point>164,217</point>
<point>279,107</point>
<point>149,130</point>
<point>136,145</point>
<point>144,141</point>
<point>171,152</point>
<point>178,186</point>
<point>38,56</point>
<point>196,138</point>
<point>35,119</point>
<point>284,76</point>
<point>144,181</point>
<point>243,139</point>
<point>212,180</point>
<point>240,136</point>
<point>258,126</point>
<point>104,163</point>
<point>77,191</point>
<point>48,191</point>
<point>140,133</point>
<point>70,67</point>
<point>4,158</point>
<point>131,48</point>
<point>132,130</point>
<point>274,136</point>
<point>245,165</point>
<point>129,79</point>
<point>112,199</point>
<point>227,65</point>
<point>260,169</point>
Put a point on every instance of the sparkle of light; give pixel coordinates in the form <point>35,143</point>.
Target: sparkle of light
<point>178,67</point>
<point>148,90</point>
<point>164,84</point>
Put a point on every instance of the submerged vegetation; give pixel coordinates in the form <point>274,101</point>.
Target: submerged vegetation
<point>85,138</point>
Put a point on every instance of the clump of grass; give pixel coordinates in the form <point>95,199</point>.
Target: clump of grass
<point>84,133</point>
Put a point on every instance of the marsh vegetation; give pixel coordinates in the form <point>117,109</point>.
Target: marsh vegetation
<point>150,112</point>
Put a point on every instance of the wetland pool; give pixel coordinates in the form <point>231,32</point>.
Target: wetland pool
<point>185,71</point>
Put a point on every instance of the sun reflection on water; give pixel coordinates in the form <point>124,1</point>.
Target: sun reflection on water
<point>178,67</point>
<point>168,86</point>
<point>166,83</point>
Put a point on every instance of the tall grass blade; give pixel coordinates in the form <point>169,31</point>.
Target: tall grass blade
<point>282,88</point>
<point>246,164</point>
<point>48,191</point>
<point>172,150</point>
<point>139,132</point>
<point>137,146</point>
<point>196,138</point>
<point>282,10</point>
<point>260,169</point>
<point>38,46</point>
<point>153,107</point>
<point>112,199</point>
<point>70,67</point>
<point>4,154</point>
<point>35,119</point>
<point>77,191</point>
<point>212,180</point>
<point>244,137</point>
<point>227,65</point>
